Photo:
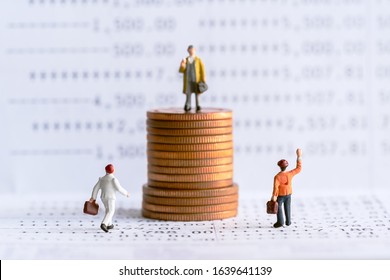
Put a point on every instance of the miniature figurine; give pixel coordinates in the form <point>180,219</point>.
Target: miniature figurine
<point>108,185</point>
<point>282,189</point>
<point>194,77</point>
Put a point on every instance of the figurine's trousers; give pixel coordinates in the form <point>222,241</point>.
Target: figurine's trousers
<point>188,99</point>
<point>284,200</point>
<point>109,204</point>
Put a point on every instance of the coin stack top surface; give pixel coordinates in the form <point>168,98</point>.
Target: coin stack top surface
<point>190,165</point>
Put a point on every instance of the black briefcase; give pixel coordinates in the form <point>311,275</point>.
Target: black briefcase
<point>202,87</point>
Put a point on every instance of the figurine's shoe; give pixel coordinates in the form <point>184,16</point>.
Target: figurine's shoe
<point>187,108</point>
<point>288,223</point>
<point>277,225</point>
<point>110,227</point>
<point>104,227</point>
<point>198,108</point>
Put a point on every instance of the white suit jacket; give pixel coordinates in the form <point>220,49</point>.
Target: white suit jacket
<point>109,185</point>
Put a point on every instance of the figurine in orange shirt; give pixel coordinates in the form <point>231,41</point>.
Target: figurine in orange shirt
<point>282,189</point>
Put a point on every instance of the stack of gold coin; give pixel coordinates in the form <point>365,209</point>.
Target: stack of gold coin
<point>190,165</point>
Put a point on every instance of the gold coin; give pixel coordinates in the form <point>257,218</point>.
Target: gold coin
<point>190,177</point>
<point>174,201</point>
<point>191,185</point>
<point>190,170</point>
<point>190,132</point>
<point>190,155</point>
<point>190,162</point>
<point>189,124</point>
<point>179,193</point>
<point>189,140</point>
<point>188,148</point>
<point>176,114</point>
<point>190,209</point>
<point>189,217</point>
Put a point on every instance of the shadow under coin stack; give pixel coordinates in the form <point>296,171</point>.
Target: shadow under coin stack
<point>190,166</point>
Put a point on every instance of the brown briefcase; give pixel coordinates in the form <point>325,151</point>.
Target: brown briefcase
<point>272,207</point>
<point>91,208</point>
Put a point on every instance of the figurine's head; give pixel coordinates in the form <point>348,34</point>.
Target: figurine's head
<point>191,50</point>
<point>110,169</point>
<point>283,164</point>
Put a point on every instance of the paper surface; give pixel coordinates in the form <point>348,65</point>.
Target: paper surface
<point>334,227</point>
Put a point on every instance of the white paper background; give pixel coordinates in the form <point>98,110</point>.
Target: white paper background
<point>322,84</point>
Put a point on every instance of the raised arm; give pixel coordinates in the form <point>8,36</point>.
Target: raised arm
<point>183,65</point>
<point>298,168</point>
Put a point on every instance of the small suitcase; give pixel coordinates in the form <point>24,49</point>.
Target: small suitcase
<point>272,207</point>
<point>91,208</point>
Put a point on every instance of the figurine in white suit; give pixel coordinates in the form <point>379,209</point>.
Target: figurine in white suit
<point>108,185</point>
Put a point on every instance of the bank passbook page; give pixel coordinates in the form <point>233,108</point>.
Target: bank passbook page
<point>78,76</point>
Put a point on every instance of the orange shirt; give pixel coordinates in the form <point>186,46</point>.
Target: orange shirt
<point>282,181</point>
